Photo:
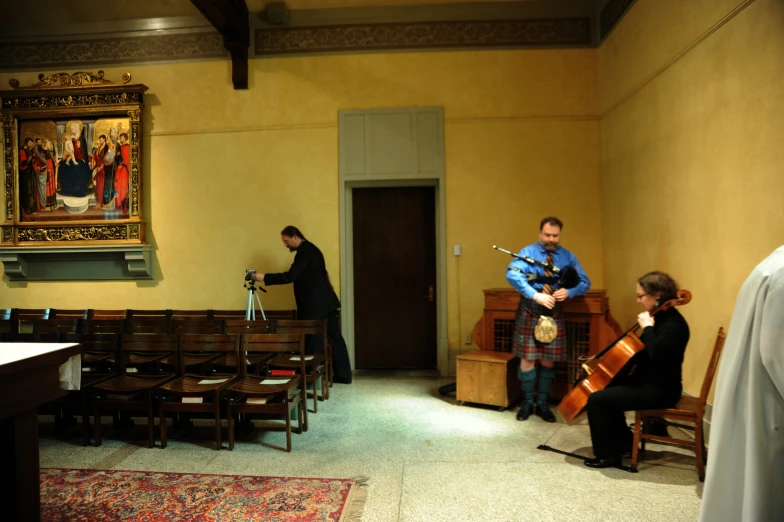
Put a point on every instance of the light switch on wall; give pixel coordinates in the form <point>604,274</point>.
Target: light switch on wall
<point>456,250</point>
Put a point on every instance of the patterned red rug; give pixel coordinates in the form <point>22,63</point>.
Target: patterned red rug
<point>103,495</point>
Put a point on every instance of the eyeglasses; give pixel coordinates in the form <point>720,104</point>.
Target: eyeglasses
<point>640,296</point>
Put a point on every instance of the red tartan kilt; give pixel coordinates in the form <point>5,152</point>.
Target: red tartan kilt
<point>525,344</point>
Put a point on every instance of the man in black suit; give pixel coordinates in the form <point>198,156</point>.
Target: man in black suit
<point>315,297</point>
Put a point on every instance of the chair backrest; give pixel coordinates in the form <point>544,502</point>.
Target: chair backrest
<point>711,372</point>
<point>70,325</point>
<point>273,344</point>
<point>25,316</point>
<point>32,337</point>
<point>190,314</point>
<point>164,345</point>
<point>197,326</point>
<point>206,344</point>
<point>227,314</point>
<point>8,321</point>
<point>280,314</point>
<point>304,326</point>
<point>150,313</point>
<point>241,326</point>
<point>60,313</point>
<point>94,343</point>
<point>148,325</point>
<point>97,326</point>
<point>108,314</point>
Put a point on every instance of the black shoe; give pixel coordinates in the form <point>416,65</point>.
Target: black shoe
<point>544,412</point>
<point>657,428</point>
<point>341,380</point>
<point>525,412</point>
<point>608,462</point>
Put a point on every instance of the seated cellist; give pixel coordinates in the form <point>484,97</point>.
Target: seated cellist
<point>655,380</point>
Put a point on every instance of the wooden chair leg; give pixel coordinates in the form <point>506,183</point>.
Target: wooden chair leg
<point>150,421</point>
<point>699,448</point>
<point>303,399</point>
<point>637,436</point>
<point>218,442</point>
<point>230,422</point>
<point>288,421</point>
<point>162,425</point>
<point>86,418</point>
<point>97,421</point>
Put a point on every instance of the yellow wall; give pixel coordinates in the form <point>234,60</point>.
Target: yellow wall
<point>692,131</point>
<point>226,170</point>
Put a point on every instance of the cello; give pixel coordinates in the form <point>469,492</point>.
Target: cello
<point>609,364</point>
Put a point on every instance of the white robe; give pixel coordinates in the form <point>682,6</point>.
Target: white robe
<point>745,472</point>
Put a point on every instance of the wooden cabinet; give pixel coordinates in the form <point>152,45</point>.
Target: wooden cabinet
<point>486,377</point>
<point>589,328</point>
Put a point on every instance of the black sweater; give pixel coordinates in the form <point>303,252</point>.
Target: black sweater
<point>312,289</point>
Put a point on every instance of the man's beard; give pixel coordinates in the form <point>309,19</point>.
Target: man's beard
<point>292,249</point>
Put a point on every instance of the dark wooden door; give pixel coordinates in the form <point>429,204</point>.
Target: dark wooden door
<point>394,277</point>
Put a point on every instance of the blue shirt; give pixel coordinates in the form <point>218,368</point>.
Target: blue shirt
<point>562,258</point>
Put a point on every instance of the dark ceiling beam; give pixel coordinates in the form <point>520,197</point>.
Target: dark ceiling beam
<point>231,19</point>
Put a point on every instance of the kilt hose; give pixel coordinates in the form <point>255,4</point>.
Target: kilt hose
<point>525,344</point>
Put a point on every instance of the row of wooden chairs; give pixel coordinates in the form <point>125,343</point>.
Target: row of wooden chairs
<point>171,374</point>
<point>164,325</point>
<point>12,317</point>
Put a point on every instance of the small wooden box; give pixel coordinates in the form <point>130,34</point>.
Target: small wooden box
<point>488,377</point>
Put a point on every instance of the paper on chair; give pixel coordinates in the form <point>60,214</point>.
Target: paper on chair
<point>212,381</point>
<point>274,381</point>
<point>307,358</point>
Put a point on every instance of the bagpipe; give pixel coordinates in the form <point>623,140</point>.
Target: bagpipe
<point>566,277</point>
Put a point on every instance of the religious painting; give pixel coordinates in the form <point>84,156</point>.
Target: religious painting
<point>74,143</point>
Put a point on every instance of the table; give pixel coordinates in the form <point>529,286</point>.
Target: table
<point>29,377</point>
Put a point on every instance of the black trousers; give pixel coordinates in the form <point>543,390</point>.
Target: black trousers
<point>315,345</point>
<point>610,434</point>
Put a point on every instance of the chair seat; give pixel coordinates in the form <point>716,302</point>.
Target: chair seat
<point>96,357</point>
<point>189,384</point>
<point>685,407</point>
<point>284,361</point>
<point>252,386</point>
<point>133,383</point>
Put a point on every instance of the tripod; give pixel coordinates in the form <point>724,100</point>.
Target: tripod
<point>250,311</point>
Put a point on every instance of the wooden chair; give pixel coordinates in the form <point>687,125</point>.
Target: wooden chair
<point>97,349</point>
<point>689,409</point>
<point>226,314</point>
<point>190,314</point>
<point>314,364</point>
<point>280,314</point>
<point>8,321</point>
<point>151,325</point>
<point>25,316</point>
<point>243,327</point>
<point>197,326</point>
<point>279,399</point>
<point>108,314</point>
<point>136,391</point>
<point>60,313</point>
<point>16,337</point>
<point>70,325</point>
<point>208,389</point>
<point>167,314</point>
<point>96,326</point>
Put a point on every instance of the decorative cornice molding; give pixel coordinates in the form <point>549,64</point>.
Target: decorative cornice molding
<point>570,32</point>
<point>190,46</point>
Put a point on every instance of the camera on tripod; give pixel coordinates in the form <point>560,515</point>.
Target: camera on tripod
<point>249,274</point>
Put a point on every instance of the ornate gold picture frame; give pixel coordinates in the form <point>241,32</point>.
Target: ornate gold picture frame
<point>72,162</point>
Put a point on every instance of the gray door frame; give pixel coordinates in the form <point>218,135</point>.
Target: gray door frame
<point>347,183</point>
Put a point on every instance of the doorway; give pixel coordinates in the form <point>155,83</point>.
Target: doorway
<point>394,263</point>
